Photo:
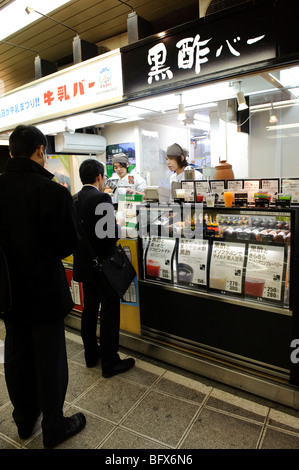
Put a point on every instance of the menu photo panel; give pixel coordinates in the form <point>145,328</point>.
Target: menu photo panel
<point>226,267</point>
<point>192,262</point>
<point>159,259</point>
<point>265,272</point>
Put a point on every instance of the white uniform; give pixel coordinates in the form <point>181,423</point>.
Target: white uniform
<point>178,178</point>
<point>131,180</point>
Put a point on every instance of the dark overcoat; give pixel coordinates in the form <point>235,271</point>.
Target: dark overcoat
<point>37,230</point>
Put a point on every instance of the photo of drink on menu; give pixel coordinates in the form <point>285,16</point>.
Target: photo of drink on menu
<point>226,267</point>
<point>192,262</point>
<point>265,272</point>
<point>159,259</point>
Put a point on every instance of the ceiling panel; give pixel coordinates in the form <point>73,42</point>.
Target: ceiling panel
<point>96,22</point>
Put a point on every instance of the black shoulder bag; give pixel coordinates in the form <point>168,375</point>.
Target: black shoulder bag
<point>117,269</point>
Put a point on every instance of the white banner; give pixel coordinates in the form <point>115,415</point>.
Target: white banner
<point>84,86</point>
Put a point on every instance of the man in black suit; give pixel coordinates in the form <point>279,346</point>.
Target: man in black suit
<point>96,211</point>
<point>37,229</point>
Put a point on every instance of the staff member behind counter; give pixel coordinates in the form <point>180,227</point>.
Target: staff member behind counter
<point>132,182</point>
<point>176,159</point>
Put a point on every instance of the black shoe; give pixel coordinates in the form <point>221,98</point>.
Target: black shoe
<point>25,431</point>
<point>122,366</point>
<point>73,425</point>
<point>95,361</point>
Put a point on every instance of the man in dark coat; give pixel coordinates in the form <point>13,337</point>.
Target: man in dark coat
<point>37,229</point>
<point>95,209</point>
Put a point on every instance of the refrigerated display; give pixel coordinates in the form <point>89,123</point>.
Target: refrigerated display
<point>221,282</point>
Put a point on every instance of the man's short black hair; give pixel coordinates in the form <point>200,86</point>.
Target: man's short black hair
<point>24,141</point>
<point>89,170</point>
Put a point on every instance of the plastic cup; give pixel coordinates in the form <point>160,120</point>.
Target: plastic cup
<point>228,198</point>
<point>180,193</point>
<point>210,200</point>
<point>199,197</point>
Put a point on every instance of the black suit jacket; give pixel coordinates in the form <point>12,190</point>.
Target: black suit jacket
<point>97,213</point>
<point>37,229</point>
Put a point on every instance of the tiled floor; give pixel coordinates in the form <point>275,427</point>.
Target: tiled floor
<point>155,406</point>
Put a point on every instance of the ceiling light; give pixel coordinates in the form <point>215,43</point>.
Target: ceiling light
<point>273,118</point>
<point>14,17</point>
<point>241,99</point>
<point>181,110</point>
<point>30,10</point>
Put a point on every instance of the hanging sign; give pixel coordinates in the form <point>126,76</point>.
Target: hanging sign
<point>81,87</point>
<point>200,48</point>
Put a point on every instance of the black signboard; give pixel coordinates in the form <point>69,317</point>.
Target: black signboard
<point>199,49</point>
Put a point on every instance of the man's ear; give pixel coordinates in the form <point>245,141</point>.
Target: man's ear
<point>11,156</point>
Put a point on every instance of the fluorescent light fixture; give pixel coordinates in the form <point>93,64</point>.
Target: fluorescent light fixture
<point>4,141</point>
<point>14,16</point>
<point>282,126</point>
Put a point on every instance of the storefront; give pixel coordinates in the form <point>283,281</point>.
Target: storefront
<point>211,322</point>
<point>199,307</point>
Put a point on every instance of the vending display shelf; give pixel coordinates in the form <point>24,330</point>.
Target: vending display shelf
<point>222,277</point>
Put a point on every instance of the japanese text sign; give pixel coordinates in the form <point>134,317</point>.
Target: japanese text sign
<point>81,87</point>
<point>199,50</point>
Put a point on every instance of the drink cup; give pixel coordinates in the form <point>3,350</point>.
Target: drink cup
<point>180,193</point>
<point>228,198</point>
<point>210,200</point>
<point>254,286</point>
<point>153,268</point>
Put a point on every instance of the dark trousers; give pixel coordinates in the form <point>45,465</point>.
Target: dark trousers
<point>96,295</point>
<point>36,373</point>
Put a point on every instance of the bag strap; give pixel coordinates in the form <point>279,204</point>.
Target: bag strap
<point>83,231</point>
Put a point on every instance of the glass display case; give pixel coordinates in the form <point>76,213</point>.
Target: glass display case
<point>222,282</point>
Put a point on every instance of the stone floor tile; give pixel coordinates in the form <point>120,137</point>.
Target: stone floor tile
<point>275,439</point>
<point>161,417</point>
<point>124,439</point>
<point>213,430</point>
<point>80,379</point>
<point>237,405</point>
<point>111,398</point>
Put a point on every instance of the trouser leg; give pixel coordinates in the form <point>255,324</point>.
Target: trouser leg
<point>19,367</point>
<point>109,328</point>
<point>89,320</point>
<point>52,374</point>
<point>36,373</point>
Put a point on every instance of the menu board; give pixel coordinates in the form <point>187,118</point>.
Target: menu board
<point>264,272</point>
<point>234,185</point>
<point>202,186</point>
<point>217,188</point>
<point>192,262</point>
<point>272,186</point>
<point>226,267</point>
<point>252,186</point>
<point>291,186</point>
<point>189,190</point>
<point>159,259</point>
